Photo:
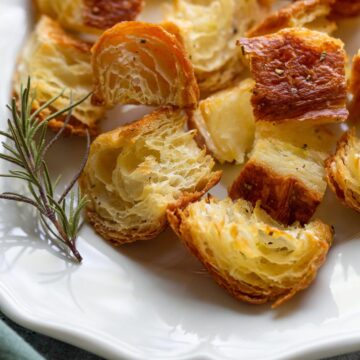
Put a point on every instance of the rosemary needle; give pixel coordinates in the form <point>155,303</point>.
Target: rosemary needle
<point>26,148</point>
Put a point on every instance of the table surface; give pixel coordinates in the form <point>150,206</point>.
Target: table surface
<point>52,349</point>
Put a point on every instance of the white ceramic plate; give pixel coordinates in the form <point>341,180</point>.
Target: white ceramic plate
<point>152,300</point>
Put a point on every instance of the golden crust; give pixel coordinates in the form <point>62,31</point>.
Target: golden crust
<point>141,63</point>
<point>210,39</point>
<point>300,13</point>
<point>342,170</point>
<point>286,199</point>
<point>90,16</point>
<point>57,61</point>
<point>130,180</point>
<point>347,7</point>
<point>242,280</point>
<point>299,75</point>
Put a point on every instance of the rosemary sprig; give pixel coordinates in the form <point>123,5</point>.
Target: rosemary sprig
<point>26,148</point>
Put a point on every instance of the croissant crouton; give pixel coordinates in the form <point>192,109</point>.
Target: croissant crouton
<point>209,30</point>
<point>253,257</point>
<point>343,170</point>
<point>140,63</point>
<point>347,7</point>
<point>91,16</point>
<point>299,75</point>
<point>57,61</point>
<point>355,89</point>
<point>309,13</point>
<point>285,171</point>
<point>136,171</point>
<point>225,123</point>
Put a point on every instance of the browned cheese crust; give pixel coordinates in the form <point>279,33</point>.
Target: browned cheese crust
<point>286,199</point>
<point>285,17</point>
<point>337,170</point>
<point>299,75</point>
<point>103,14</point>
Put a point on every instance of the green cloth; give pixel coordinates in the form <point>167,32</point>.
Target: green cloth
<point>13,347</point>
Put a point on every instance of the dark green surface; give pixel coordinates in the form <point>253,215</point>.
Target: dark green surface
<point>52,349</point>
<point>49,348</point>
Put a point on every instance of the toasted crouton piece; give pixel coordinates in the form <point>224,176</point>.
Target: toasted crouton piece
<point>299,75</point>
<point>309,13</point>
<point>355,89</point>
<point>253,257</point>
<point>226,124</point>
<point>91,16</point>
<point>285,171</point>
<point>347,7</point>
<point>57,61</point>
<point>136,171</point>
<point>209,30</point>
<point>343,170</point>
<point>141,63</point>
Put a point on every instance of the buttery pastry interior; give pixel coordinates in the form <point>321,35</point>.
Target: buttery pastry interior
<point>225,123</point>
<point>253,257</point>
<point>210,38</point>
<point>136,171</point>
<point>57,61</point>
<point>90,16</point>
<point>141,63</point>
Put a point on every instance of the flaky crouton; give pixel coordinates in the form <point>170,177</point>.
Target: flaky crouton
<point>253,257</point>
<point>285,171</point>
<point>309,13</point>
<point>90,16</point>
<point>209,31</point>
<point>299,75</point>
<point>136,171</point>
<point>141,63</point>
<point>343,170</point>
<point>57,61</point>
<point>225,123</point>
<point>347,7</point>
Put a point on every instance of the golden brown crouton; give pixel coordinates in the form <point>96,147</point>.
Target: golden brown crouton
<point>209,31</point>
<point>253,257</point>
<point>285,171</point>
<point>57,61</point>
<point>136,171</point>
<point>225,123</point>
<point>140,63</point>
<point>299,75</point>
